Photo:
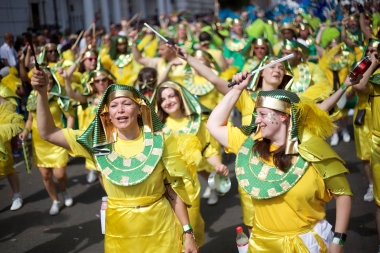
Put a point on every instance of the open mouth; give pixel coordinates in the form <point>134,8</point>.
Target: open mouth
<point>122,118</point>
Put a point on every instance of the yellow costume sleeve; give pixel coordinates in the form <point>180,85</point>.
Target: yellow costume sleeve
<point>68,55</point>
<point>324,159</point>
<point>320,88</point>
<point>176,170</point>
<point>106,61</point>
<point>235,139</point>
<point>245,105</point>
<point>75,148</point>
<point>338,185</point>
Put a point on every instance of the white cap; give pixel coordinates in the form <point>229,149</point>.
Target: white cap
<point>4,71</point>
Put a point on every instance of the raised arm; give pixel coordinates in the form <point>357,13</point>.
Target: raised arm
<point>219,83</point>
<point>331,101</point>
<point>133,35</point>
<point>345,39</point>
<point>217,122</point>
<point>318,40</point>
<point>70,92</point>
<point>45,123</point>
<point>363,86</point>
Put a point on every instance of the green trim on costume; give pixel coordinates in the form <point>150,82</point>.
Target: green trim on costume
<point>127,171</point>
<point>123,60</point>
<point>192,126</point>
<point>263,181</point>
<point>236,45</point>
<point>341,63</point>
<point>196,89</point>
<point>304,79</point>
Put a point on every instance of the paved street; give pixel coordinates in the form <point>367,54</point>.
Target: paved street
<point>77,228</point>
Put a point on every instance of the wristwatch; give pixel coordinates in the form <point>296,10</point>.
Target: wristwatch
<point>339,238</point>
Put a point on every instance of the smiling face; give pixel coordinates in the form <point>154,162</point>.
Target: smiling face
<point>123,113</point>
<point>271,123</point>
<point>169,101</point>
<point>273,75</point>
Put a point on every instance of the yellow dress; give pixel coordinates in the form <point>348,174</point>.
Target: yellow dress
<point>204,137</point>
<point>126,74</point>
<point>278,221</point>
<point>153,227</point>
<point>211,99</point>
<point>375,147</point>
<point>176,74</point>
<point>45,154</point>
<point>361,133</point>
<point>7,167</point>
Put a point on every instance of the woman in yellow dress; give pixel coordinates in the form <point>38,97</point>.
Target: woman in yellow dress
<point>96,84</point>
<point>289,171</point>
<point>50,159</point>
<point>119,61</point>
<point>11,124</point>
<point>336,62</point>
<point>142,171</point>
<point>362,131</point>
<point>182,114</point>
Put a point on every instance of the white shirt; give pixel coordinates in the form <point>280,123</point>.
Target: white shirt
<point>8,53</point>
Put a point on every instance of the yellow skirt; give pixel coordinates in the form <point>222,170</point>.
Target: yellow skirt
<point>375,167</point>
<point>7,167</point>
<point>265,241</point>
<point>361,133</point>
<point>147,225</point>
<point>47,155</point>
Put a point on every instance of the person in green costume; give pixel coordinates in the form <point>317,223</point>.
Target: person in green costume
<point>233,47</point>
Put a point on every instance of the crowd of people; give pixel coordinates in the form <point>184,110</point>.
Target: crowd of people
<point>151,116</point>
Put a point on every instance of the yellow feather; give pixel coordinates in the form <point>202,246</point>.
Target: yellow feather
<point>314,119</point>
<point>189,148</point>
<point>11,123</point>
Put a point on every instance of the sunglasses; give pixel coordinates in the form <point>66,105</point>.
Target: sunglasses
<point>100,80</point>
<point>91,58</point>
<point>52,51</point>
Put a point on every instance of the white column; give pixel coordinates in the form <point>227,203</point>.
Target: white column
<point>161,7</point>
<point>89,14</point>
<point>169,7</point>
<point>142,8</point>
<point>116,11</point>
<point>105,14</point>
<point>64,17</point>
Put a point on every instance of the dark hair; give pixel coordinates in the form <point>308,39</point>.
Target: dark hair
<point>162,115</point>
<point>148,75</point>
<point>281,160</point>
<point>204,36</point>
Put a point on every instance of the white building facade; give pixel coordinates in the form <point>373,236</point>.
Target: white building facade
<point>18,15</point>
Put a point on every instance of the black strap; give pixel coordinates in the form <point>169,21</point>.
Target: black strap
<point>204,149</point>
<point>336,80</point>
